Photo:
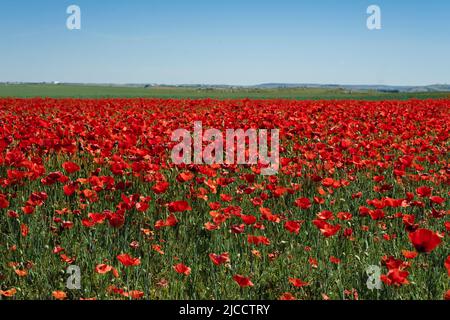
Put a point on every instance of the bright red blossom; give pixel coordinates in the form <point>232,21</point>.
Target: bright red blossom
<point>242,281</point>
<point>128,261</point>
<point>70,167</point>
<point>424,240</point>
<point>182,269</point>
<point>179,206</point>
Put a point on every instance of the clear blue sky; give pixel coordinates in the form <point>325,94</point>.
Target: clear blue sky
<point>226,42</point>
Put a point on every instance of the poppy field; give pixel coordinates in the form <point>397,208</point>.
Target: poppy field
<point>92,206</point>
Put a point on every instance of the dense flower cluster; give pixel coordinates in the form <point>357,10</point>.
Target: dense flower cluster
<point>91,183</point>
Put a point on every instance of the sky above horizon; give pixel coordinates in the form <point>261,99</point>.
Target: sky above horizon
<point>226,42</point>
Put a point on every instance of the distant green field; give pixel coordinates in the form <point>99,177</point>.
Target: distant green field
<point>90,91</point>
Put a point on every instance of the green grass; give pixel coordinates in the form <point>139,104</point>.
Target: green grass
<point>191,243</point>
<point>91,91</point>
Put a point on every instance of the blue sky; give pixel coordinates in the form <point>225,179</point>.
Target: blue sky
<point>226,42</point>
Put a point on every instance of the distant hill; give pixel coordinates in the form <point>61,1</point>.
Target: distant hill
<point>435,88</point>
<point>381,88</point>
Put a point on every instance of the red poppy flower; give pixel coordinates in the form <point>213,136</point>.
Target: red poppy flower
<point>287,296</point>
<point>313,262</point>
<point>303,203</point>
<point>335,260</point>
<point>298,283</point>
<point>57,249</point>
<point>292,226</point>
<point>424,240</point>
<point>268,215</point>
<point>327,182</point>
<point>21,273</point>
<point>327,229</point>
<point>226,197</point>
<point>12,214</point>
<point>157,248</point>
<point>423,191</point>
<point>376,214</point>
<point>87,223</point>
<point>214,205</point>
<point>59,295</point>
<point>134,294</point>
<point>97,217</point>
<point>4,203</point>
<point>8,293</point>
<point>409,254</point>
<point>67,259</point>
<point>160,187</point>
<point>395,277</point>
<point>70,189</point>
<point>128,261</point>
<point>116,219</point>
<point>344,216</point>
<point>24,229</point>
<point>325,215</point>
<point>182,269</point>
<point>28,210</point>
<point>238,229</point>
<point>142,206</point>
<point>242,281</point>
<point>211,226</point>
<point>447,295</point>
<point>219,259</point>
<point>437,199</point>
<point>70,167</point>
<point>103,268</point>
<point>248,219</point>
<point>185,176</point>
<point>258,240</point>
<point>179,206</point>
<point>171,221</point>
<point>393,263</point>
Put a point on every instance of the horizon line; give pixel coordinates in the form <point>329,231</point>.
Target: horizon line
<point>293,84</point>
